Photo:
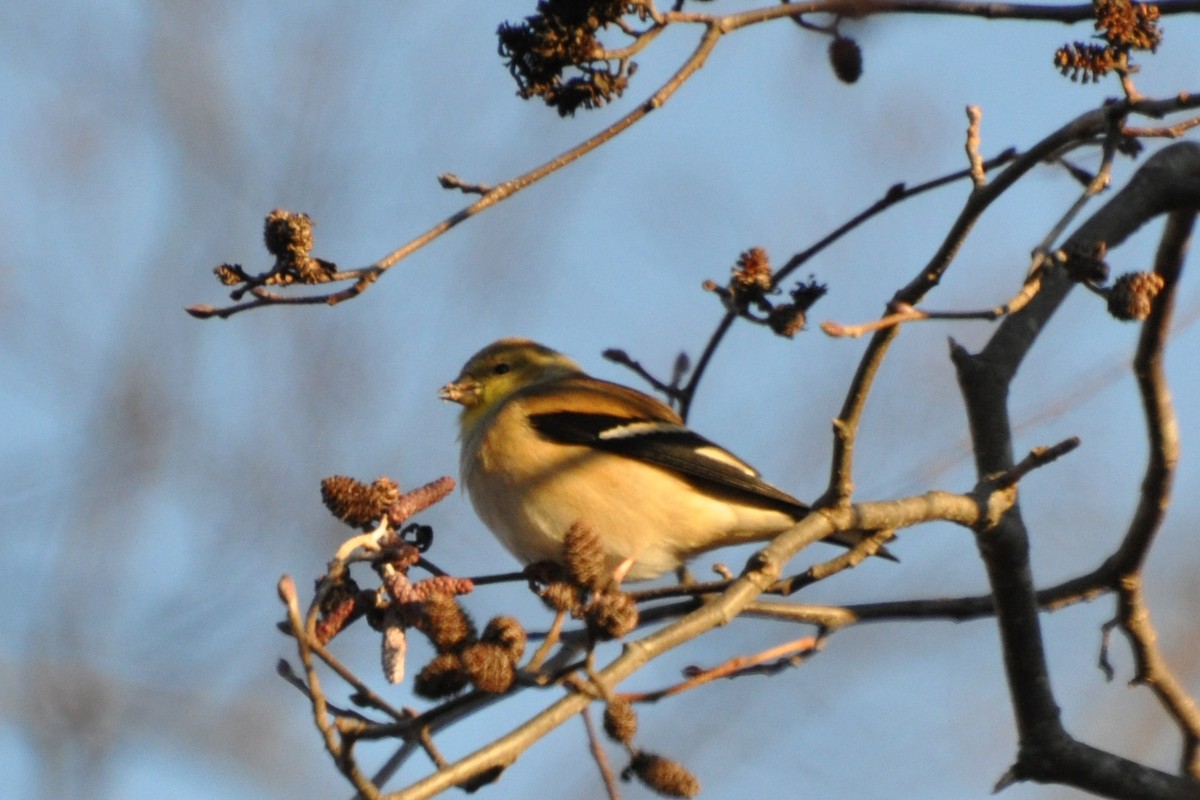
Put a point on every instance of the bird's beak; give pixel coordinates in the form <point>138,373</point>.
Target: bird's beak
<point>463,391</point>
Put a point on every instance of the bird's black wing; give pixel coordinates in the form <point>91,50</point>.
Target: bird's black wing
<point>670,446</point>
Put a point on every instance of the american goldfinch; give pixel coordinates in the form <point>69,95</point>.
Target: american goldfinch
<point>545,446</point>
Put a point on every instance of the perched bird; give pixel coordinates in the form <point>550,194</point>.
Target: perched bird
<point>545,446</point>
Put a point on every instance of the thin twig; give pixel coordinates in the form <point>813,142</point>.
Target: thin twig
<point>1037,458</point>
<point>500,577</point>
<point>978,175</point>
<point>897,193</point>
<point>539,657</point>
<point>1086,126</point>
<point>1165,131</point>
<point>301,632</point>
<point>365,693</point>
<point>904,313</point>
<point>785,655</point>
<point>765,570</point>
<point>688,392</point>
<point>599,756</point>
<point>848,560</point>
<point>493,195</point>
<point>714,27</point>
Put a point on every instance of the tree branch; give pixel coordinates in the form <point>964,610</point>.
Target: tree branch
<point>1169,180</point>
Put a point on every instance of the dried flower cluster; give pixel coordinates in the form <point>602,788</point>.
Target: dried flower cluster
<point>1124,26</point>
<point>561,36</point>
<point>487,661</point>
<point>751,279</point>
<point>620,721</point>
<point>583,554</point>
<point>668,778</point>
<point>288,236</point>
<point>583,586</point>
<point>359,505</point>
<point>748,292</point>
<point>1127,24</point>
<point>342,604</point>
<point>463,657</point>
<point>611,614</point>
<point>413,605</point>
<point>1131,297</point>
<point>341,601</point>
<point>1087,62</point>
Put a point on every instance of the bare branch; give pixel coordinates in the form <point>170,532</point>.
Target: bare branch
<point>1169,180</point>
<point>768,661</point>
<point>714,27</point>
<point>1133,613</point>
<point>601,759</point>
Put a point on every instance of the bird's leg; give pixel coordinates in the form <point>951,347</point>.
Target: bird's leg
<point>622,570</point>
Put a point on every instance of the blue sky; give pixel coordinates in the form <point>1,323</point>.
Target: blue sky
<point>162,472</point>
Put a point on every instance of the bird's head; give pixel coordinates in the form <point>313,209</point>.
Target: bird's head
<point>495,372</point>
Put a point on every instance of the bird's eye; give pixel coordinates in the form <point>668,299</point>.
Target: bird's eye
<point>501,369</point>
